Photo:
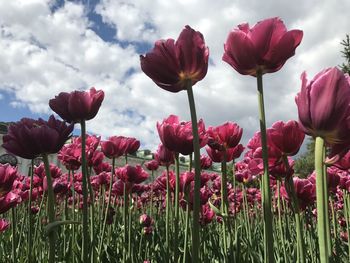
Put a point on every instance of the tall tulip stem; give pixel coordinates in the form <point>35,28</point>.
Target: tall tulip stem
<point>30,239</point>
<point>197,176</point>
<point>322,206</point>
<point>176,216</point>
<point>85,252</point>
<point>266,192</point>
<point>51,208</point>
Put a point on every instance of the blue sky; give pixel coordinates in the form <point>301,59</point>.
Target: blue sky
<point>50,46</point>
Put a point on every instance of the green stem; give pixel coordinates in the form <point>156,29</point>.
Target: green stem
<point>51,208</point>
<point>85,221</point>
<point>224,205</point>
<point>320,200</point>
<point>176,216</point>
<point>282,238</point>
<point>187,216</point>
<point>326,196</point>
<point>125,214</point>
<point>30,239</point>
<point>167,215</point>
<point>197,176</point>
<point>107,209</point>
<point>13,226</point>
<point>266,192</point>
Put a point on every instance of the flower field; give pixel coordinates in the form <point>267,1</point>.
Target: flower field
<point>98,206</point>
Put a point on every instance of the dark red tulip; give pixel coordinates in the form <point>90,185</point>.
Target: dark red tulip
<point>30,138</point>
<point>103,167</point>
<point>206,162</point>
<point>171,64</point>
<point>77,105</point>
<point>207,215</point>
<point>131,174</point>
<point>231,153</point>
<point>178,137</point>
<point>132,145</point>
<point>115,146</point>
<point>264,48</point>
<point>55,171</point>
<point>8,174</point>
<point>145,220</point>
<point>152,165</point>
<point>164,156</point>
<point>8,201</point>
<point>70,156</point>
<point>305,191</point>
<point>281,171</point>
<point>224,136</point>
<point>286,137</point>
<point>323,106</point>
<point>186,178</point>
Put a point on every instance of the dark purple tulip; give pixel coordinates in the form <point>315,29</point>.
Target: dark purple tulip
<point>132,145</point>
<point>145,220</point>
<point>206,162</point>
<point>77,105</point>
<point>286,137</point>
<point>171,64</point>
<point>178,137</point>
<point>323,106</point>
<point>264,48</point>
<point>70,156</point>
<point>30,138</point>
<point>231,153</point>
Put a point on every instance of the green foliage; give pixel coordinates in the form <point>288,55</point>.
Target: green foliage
<point>346,54</point>
<point>305,164</point>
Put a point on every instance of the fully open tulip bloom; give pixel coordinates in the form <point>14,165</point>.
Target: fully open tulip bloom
<point>114,147</point>
<point>170,64</point>
<point>77,105</point>
<point>264,48</point>
<point>30,138</point>
<point>178,137</point>
<point>323,105</point>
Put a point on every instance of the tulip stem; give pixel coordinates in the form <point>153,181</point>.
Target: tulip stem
<point>176,216</point>
<point>266,192</point>
<point>322,209</point>
<point>85,252</point>
<point>107,208</point>
<point>187,216</point>
<point>30,239</point>
<point>13,226</point>
<point>224,205</point>
<point>197,176</point>
<point>167,215</point>
<point>51,208</point>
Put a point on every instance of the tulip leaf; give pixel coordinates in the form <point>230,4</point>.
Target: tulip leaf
<point>51,226</point>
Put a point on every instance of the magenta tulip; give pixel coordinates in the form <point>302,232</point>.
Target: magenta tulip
<point>77,105</point>
<point>224,136</point>
<point>171,64</point>
<point>152,165</point>
<point>264,48</point>
<point>115,146</point>
<point>178,137</point>
<point>4,224</point>
<point>131,174</point>
<point>323,106</point>
<point>164,156</point>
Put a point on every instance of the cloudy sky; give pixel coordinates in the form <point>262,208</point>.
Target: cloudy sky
<point>51,46</point>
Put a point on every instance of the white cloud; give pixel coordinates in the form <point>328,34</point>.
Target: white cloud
<point>48,52</point>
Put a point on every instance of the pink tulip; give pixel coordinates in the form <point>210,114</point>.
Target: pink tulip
<point>224,136</point>
<point>264,48</point>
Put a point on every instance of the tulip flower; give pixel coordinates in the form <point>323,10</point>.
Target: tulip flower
<point>286,137</point>
<point>176,66</point>
<point>152,165</point>
<point>8,174</point>
<point>4,224</point>
<point>264,48</point>
<point>170,64</point>
<point>77,105</point>
<point>224,136</point>
<point>131,174</point>
<point>164,156</point>
<point>177,136</point>
<point>30,138</point>
<point>114,147</point>
<point>323,106</point>
<point>206,162</point>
